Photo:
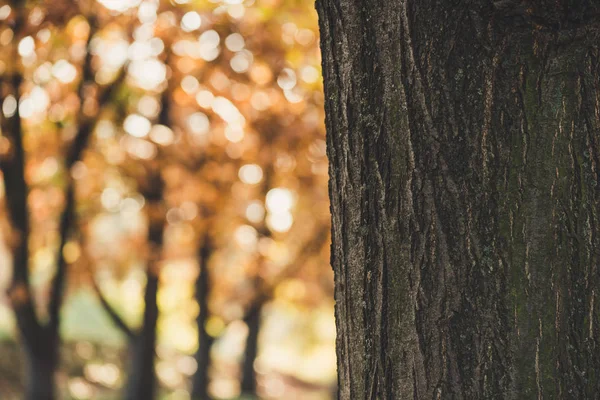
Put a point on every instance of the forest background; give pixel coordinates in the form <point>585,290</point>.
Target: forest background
<point>164,210</point>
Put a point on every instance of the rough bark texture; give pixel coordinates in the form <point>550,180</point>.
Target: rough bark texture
<point>464,147</point>
<point>200,380</point>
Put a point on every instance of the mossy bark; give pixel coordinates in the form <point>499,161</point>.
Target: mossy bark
<point>464,147</point>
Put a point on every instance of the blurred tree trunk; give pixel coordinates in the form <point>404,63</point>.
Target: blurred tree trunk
<point>41,366</point>
<point>252,320</point>
<point>41,353</point>
<point>142,378</point>
<point>200,380</point>
<point>40,373</point>
<point>40,341</point>
<point>253,313</point>
<point>141,383</point>
<point>464,149</point>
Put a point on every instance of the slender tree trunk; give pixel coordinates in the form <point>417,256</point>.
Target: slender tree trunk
<point>464,149</point>
<point>39,342</point>
<point>248,385</point>
<point>142,378</point>
<point>200,380</point>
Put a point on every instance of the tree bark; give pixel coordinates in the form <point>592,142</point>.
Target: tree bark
<point>252,320</point>
<point>200,380</point>
<point>464,147</point>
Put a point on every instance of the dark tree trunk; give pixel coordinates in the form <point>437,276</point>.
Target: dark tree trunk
<point>464,149</point>
<point>40,342</point>
<point>41,365</point>
<point>142,376</point>
<point>252,320</point>
<point>200,380</point>
<point>141,383</point>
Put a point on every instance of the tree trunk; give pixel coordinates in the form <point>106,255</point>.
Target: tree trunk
<point>464,149</point>
<point>252,320</point>
<point>200,380</point>
<point>40,342</point>
<point>142,378</point>
<point>41,367</point>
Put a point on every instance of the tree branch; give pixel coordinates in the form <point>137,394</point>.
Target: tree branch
<point>16,192</point>
<point>87,124</point>
<point>112,313</point>
<point>57,287</point>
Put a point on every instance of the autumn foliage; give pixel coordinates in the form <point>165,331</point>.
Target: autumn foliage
<point>176,142</point>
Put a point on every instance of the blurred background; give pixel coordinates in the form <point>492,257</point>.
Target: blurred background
<point>170,159</point>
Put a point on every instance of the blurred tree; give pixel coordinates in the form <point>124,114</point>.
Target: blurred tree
<point>264,293</point>
<point>242,123</point>
<point>141,377</point>
<point>208,147</point>
<point>40,339</point>
<point>141,380</point>
<point>200,379</point>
